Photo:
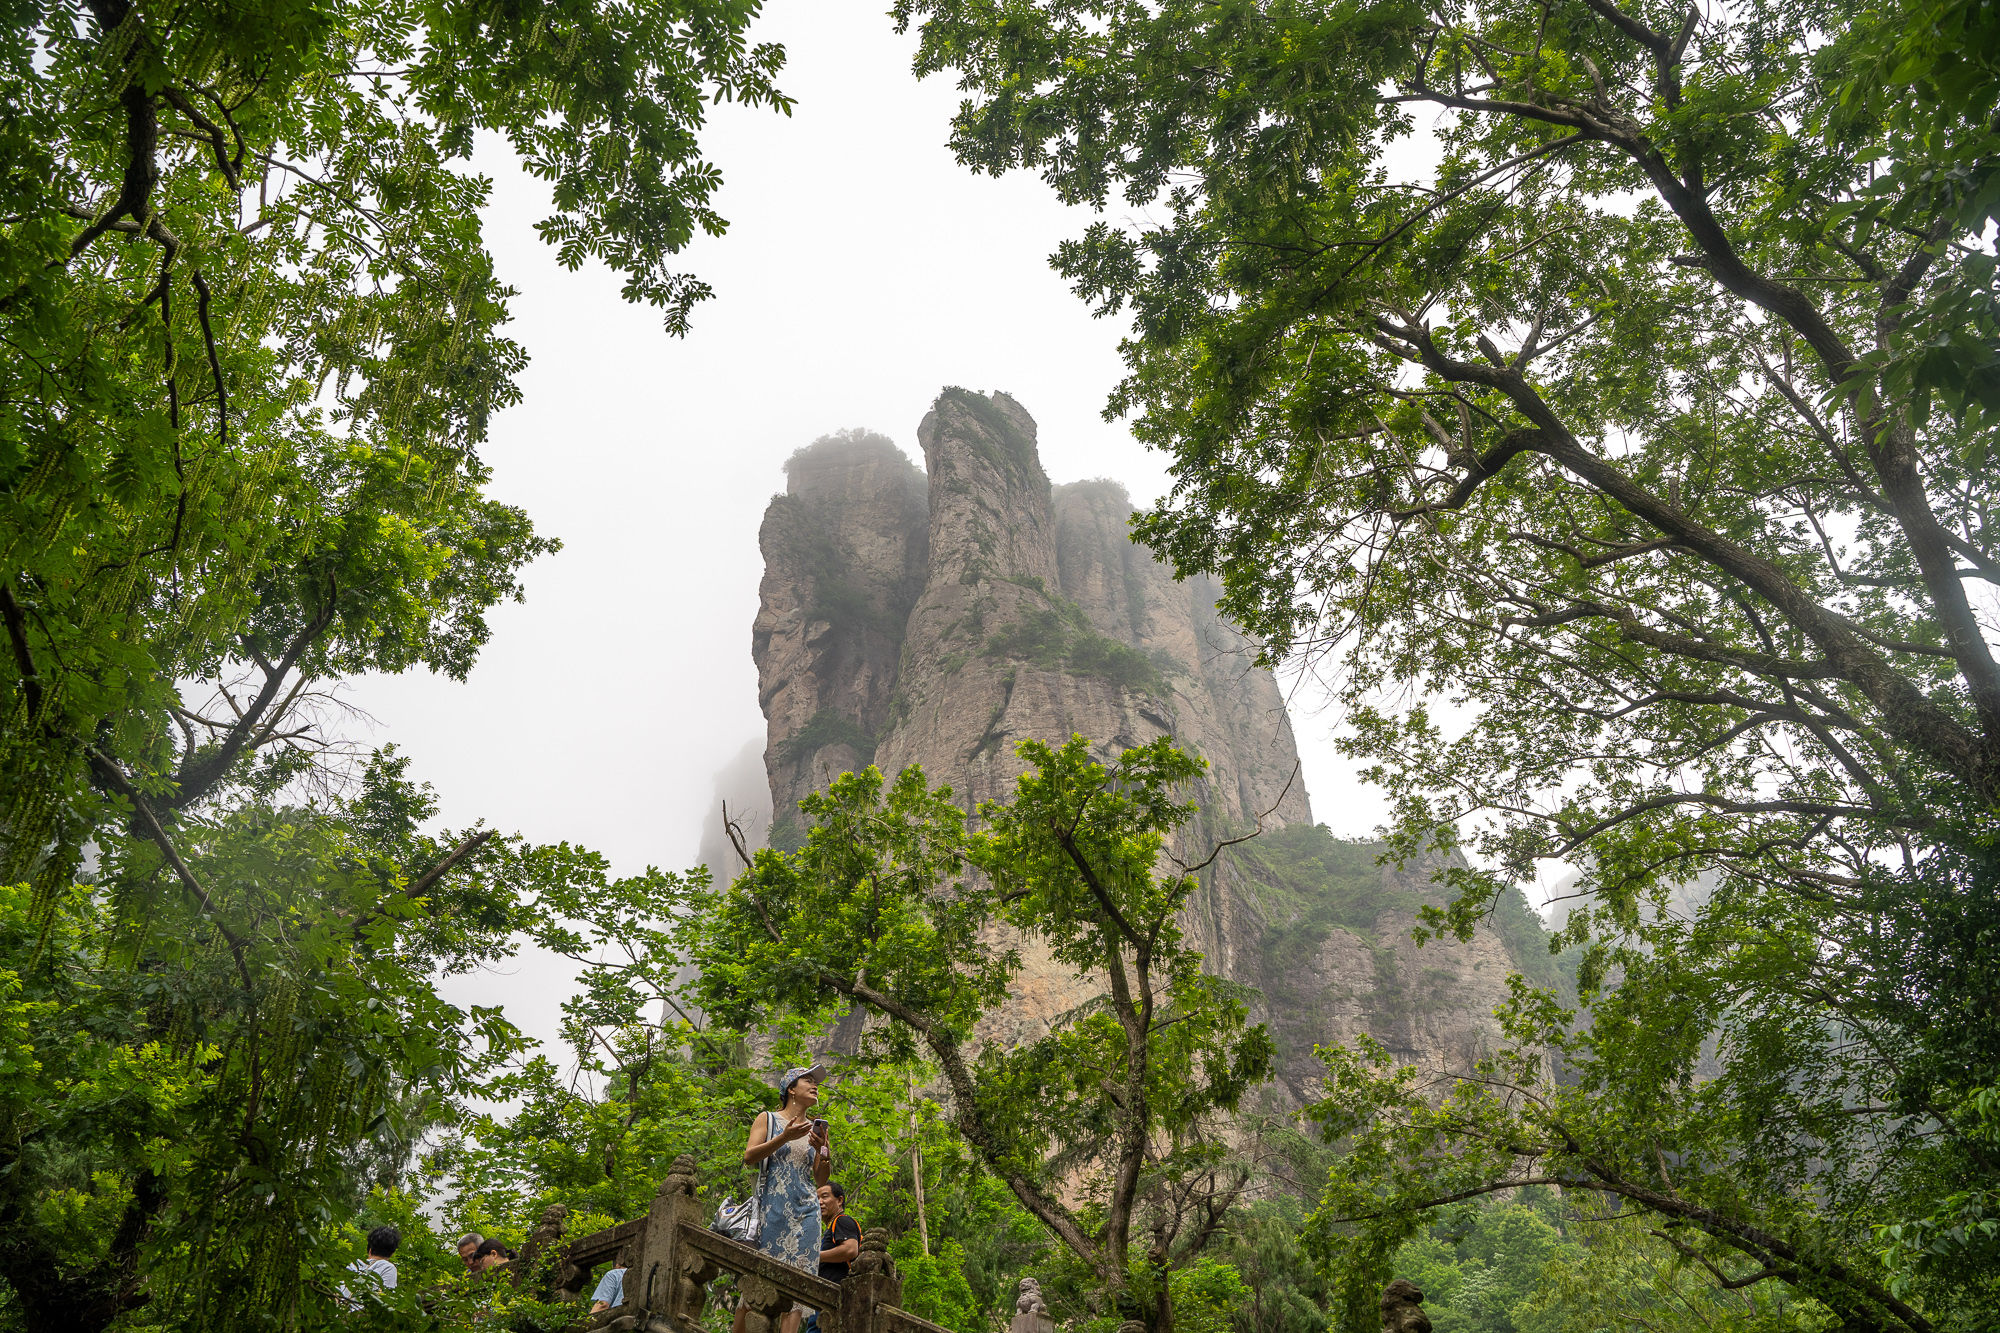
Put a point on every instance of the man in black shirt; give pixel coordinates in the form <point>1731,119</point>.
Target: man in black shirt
<point>840,1235</point>
<point>839,1240</point>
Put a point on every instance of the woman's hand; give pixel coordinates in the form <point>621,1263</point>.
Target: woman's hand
<point>796,1129</point>
<point>822,1167</point>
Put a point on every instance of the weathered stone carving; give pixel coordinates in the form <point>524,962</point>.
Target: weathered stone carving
<point>872,1286</point>
<point>1031,1312</point>
<point>763,1301</point>
<point>1402,1308</point>
<point>541,1241</point>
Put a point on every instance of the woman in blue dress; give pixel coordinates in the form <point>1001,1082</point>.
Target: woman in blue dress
<point>792,1160</point>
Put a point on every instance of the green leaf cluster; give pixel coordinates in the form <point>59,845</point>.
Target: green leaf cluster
<point>254,341</point>
<point>893,905</point>
<point>1603,392</point>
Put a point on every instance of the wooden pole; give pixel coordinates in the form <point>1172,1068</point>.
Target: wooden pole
<point>917,1172</point>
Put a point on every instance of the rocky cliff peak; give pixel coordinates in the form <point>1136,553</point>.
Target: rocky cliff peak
<point>845,551</point>
<point>939,617</point>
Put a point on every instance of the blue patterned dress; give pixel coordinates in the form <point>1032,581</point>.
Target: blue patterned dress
<point>790,1233</point>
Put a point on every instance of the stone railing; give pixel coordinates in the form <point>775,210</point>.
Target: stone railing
<point>671,1257</point>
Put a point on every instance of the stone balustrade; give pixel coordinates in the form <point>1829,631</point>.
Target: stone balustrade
<point>671,1257</point>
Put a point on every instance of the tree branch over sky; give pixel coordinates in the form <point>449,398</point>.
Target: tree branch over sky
<point>1623,373</point>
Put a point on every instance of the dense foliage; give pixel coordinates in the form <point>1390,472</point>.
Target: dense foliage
<point>1104,1128</point>
<point>1611,385</point>
<point>252,342</point>
<point>199,1094</point>
<point>1648,422</point>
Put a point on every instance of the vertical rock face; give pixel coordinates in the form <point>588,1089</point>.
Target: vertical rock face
<point>845,551</point>
<point>970,682</point>
<point>938,618</point>
<point>1040,618</point>
<point>1221,702</point>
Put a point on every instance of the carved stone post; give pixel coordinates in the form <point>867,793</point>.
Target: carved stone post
<point>662,1281</point>
<point>546,1236</point>
<point>763,1303</point>
<point>872,1282</point>
<point>1031,1312</point>
<point>1402,1308</point>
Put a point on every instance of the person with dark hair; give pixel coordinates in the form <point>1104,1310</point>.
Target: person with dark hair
<point>490,1255</point>
<point>789,1149</point>
<point>376,1269</point>
<point>840,1235</point>
<point>839,1240</point>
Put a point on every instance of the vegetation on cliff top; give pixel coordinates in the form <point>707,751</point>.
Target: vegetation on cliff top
<point>999,440</point>
<point>1059,637</point>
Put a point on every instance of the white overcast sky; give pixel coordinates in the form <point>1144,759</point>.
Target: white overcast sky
<point>863,270</point>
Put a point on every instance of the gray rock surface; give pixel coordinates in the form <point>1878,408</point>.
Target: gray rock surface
<point>940,617</point>
<point>1402,1308</point>
<point>845,550</point>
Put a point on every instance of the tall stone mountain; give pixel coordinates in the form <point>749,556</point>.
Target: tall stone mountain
<point>937,617</point>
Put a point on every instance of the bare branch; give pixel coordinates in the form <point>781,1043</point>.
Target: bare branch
<point>1216,850</point>
<point>423,883</point>
<point>201,772</point>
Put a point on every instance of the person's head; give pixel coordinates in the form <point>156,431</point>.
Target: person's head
<point>832,1200</point>
<point>490,1254</point>
<point>382,1242</point>
<point>798,1089</point>
<point>468,1245</point>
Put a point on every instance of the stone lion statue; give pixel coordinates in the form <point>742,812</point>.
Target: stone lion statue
<point>1031,1312</point>
<point>1402,1308</point>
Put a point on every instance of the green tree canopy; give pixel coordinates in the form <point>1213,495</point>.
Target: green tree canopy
<point>1623,373</point>
<point>199,1092</point>
<point>254,339</point>
<point>1104,1127</point>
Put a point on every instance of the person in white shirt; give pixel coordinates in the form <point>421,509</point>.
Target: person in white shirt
<point>376,1268</point>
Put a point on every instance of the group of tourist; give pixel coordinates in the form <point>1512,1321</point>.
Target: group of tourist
<point>378,1271</point>
<point>481,1255</point>
<point>803,1210</point>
